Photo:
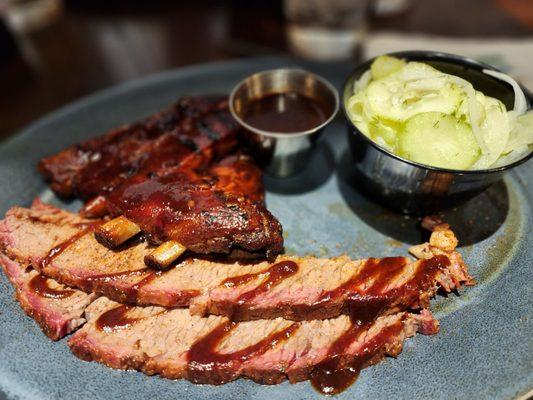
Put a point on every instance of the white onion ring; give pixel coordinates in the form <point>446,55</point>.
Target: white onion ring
<point>520,102</point>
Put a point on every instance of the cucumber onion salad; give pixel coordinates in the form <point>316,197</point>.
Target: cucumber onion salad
<point>424,115</point>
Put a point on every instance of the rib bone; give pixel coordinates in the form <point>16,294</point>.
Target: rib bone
<point>164,255</point>
<point>115,232</point>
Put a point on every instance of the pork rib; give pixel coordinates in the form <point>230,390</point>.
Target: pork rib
<point>179,175</point>
<point>96,166</point>
<point>217,211</point>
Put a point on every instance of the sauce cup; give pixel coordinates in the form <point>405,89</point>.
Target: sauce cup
<point>415,188</point>
<point>283,153</point>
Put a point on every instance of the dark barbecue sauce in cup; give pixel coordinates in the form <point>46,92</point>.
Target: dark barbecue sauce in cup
<point>287,112</point>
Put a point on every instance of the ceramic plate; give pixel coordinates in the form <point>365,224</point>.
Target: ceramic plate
<point>483,351</point>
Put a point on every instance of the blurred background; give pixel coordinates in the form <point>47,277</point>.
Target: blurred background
<point>55,51</point>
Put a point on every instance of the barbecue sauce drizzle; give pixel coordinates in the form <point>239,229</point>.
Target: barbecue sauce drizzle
<point>334,374</point>
<point>203,357</point>
<point>131,294</point>
<point>115,319</point>
<point>275,274</point>
<point>204,360</point>
<point>60,248</point>
<point>39,285</point>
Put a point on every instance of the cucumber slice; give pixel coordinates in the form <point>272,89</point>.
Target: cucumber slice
<point>385,65</point>
<point>416,88</point>
<point>438,140</point>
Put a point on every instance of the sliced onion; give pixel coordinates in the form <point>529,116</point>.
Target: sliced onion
<point>520,103</point>
<point>473,111</point>
<point>362,82</point>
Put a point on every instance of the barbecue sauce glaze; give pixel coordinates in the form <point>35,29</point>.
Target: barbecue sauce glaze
<point>209,211</point>
<point>131,293</point>
<point>169,136</point>
<point>39,285</point>
<point>115,319</point>
<point>287,112</point>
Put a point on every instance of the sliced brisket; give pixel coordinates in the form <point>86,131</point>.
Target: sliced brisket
<point>174,344</point>
<point>296,288</point>
<point>57,309</point>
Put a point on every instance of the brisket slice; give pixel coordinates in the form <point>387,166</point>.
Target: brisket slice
<point>174,344</point>
<point>94,167</point>
<point>298,288</point>
<point>57,309</point>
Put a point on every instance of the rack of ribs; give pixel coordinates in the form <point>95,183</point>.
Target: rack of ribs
<point>182,177</point>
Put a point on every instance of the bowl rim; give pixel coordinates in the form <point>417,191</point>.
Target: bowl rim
<point>285,135</point>
<point>430,55</point>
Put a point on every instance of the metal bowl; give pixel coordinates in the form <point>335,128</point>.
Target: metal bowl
<point>415,188</point>
<point>284,154</point>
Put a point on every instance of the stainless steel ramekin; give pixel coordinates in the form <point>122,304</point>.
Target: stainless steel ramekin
<point>415,188</point>
<point>284,154</point>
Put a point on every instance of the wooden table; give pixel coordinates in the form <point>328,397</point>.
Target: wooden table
<point>96,44</point>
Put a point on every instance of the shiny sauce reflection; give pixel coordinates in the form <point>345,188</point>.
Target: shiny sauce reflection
<point>39,285</point>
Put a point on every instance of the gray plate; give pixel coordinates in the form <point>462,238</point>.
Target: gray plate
<point>484,349</point>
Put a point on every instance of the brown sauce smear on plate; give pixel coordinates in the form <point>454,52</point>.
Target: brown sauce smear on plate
<point>287,112</point>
